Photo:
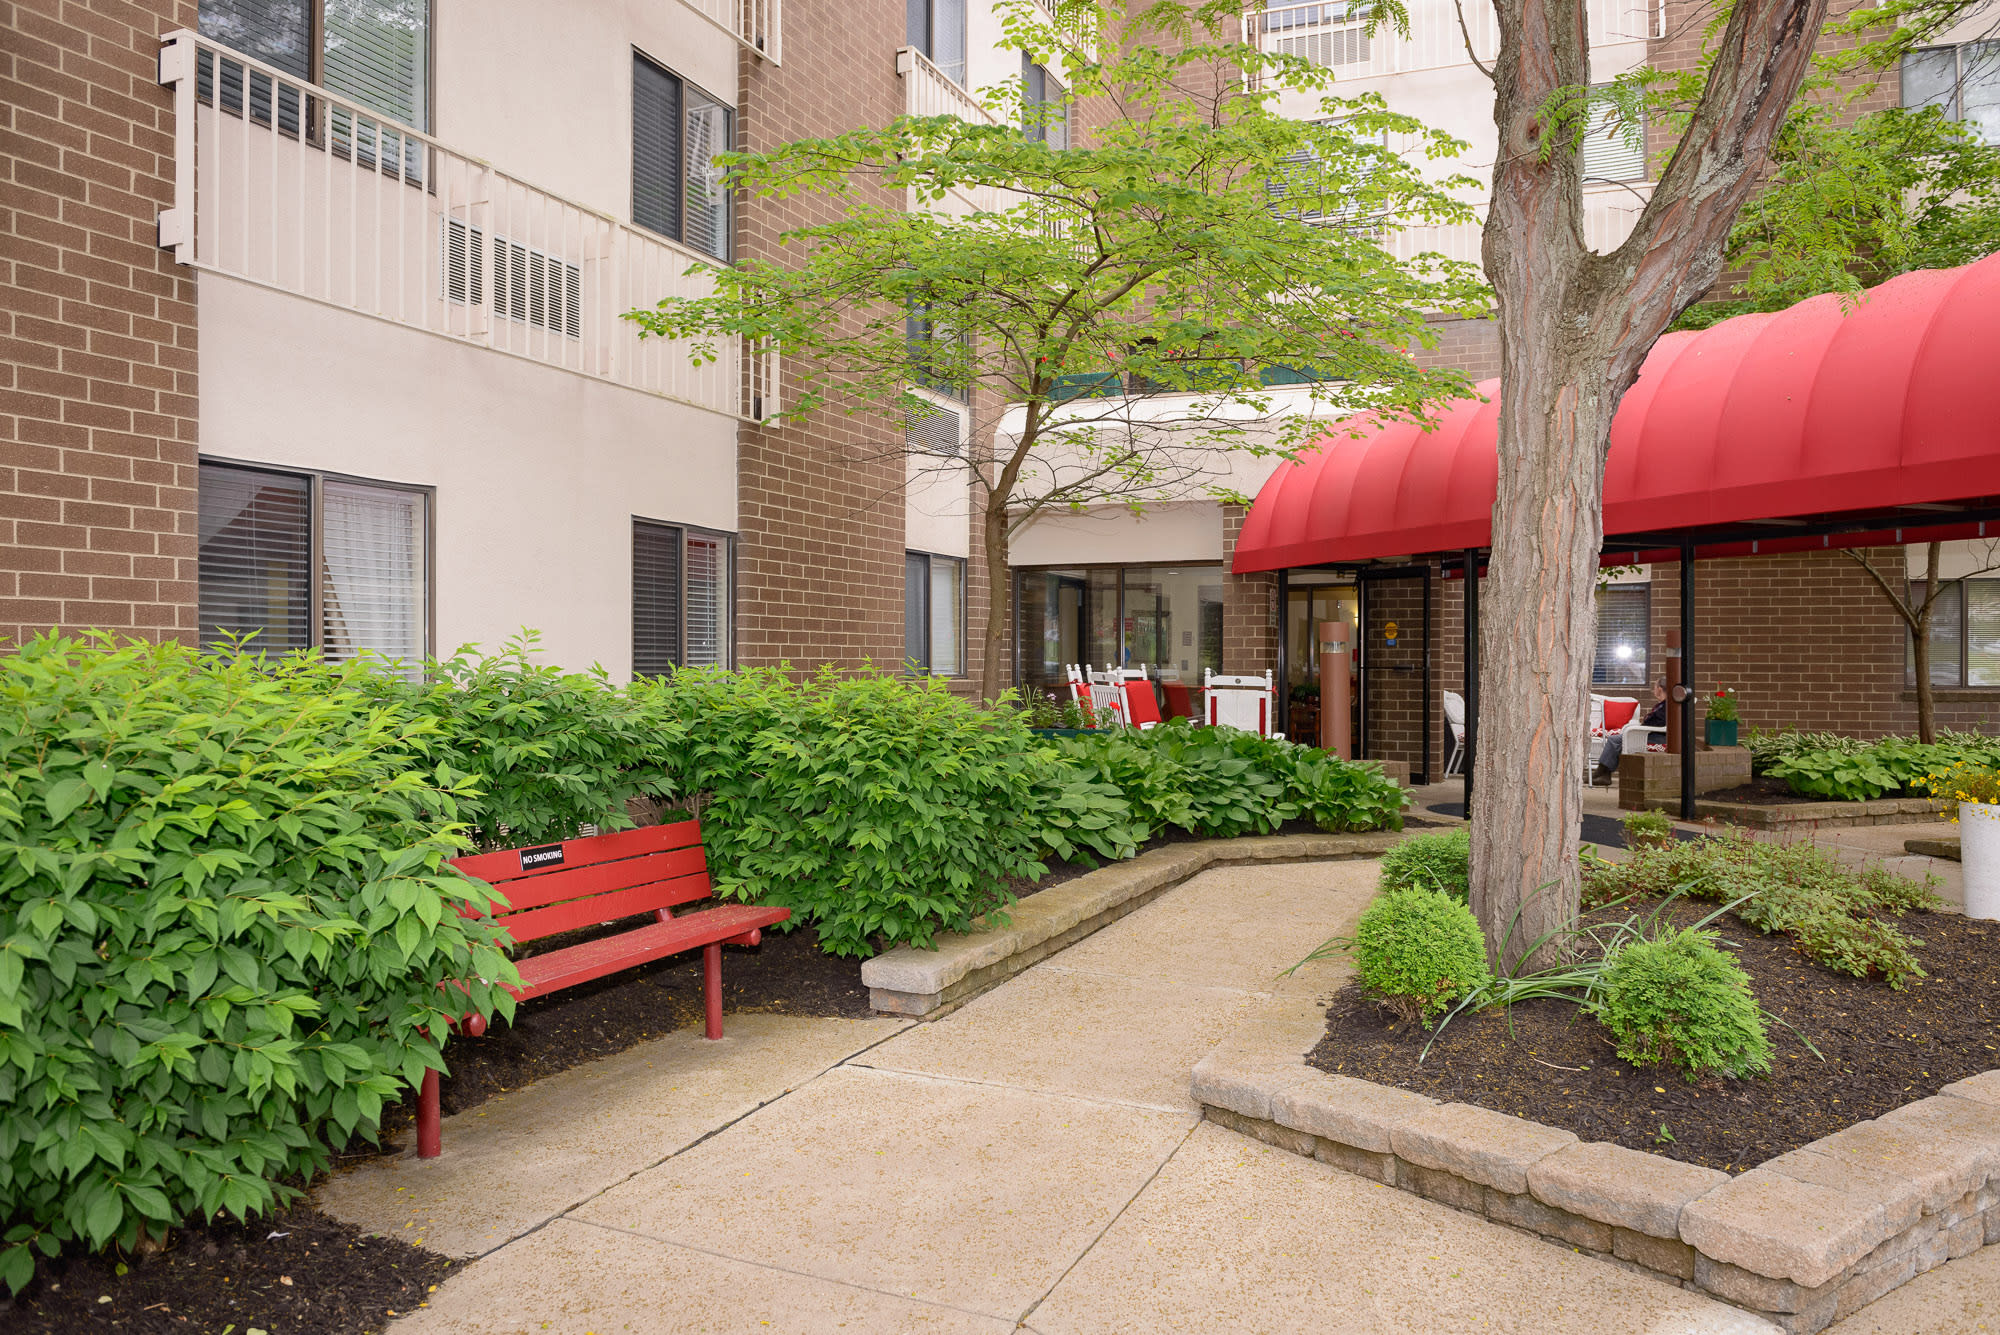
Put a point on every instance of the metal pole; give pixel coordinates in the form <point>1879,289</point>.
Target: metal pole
<point>1689,752</point>
<point>1425,712</point>
<point>1284,653</point>
<point>1471,671</point>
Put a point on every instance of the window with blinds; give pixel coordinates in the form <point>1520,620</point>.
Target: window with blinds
<point>1965,634</point>
<point>677,130</point>
<point>682,595</point>
<point>1624,628</point>
<point>1044,104</point>
<point>1614,149</point>
<point>937,28</point>
<point>296,560</point>
<point>1962,80</point>
<point>374,52</point>
<point>934,614</point>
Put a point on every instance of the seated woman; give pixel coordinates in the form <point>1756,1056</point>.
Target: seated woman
<point>1614,745</point>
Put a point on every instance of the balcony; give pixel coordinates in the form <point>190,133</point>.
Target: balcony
<point>280,183</point>
<point>757,24</point>
<point>1336,36</point>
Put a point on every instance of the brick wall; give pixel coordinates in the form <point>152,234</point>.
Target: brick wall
<point>819,502</point>
<point>1249,608</point>
<point>1472,346</point>
<point>97,376</point>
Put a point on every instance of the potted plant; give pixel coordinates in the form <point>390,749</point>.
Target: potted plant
<point>1969,793</point>
<point>1721,722</point>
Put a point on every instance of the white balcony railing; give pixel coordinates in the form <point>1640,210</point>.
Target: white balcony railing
<point>283,184</point>
<point>1607,221</point>
<point>929,91</point>
<point>1335,35</point>
<point>757,24</point>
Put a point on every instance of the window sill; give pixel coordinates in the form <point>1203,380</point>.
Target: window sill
<point>1957,695</point>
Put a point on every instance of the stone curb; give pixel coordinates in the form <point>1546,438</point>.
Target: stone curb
<point>928,983</point>
<point>1820,815</point>
<point>1803,1240</point>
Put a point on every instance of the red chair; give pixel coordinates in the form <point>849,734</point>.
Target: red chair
<point>1180,704</point>
<point>1142,711</point>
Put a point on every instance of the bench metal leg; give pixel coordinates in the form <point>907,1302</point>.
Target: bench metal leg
<point>430,1134</point>
<point>711,987</point>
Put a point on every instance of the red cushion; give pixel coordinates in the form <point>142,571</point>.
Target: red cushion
<point>1618,713</point>
<point>1140,706</point>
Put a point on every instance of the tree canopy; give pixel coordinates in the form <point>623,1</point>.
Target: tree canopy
<point>1190,241</point>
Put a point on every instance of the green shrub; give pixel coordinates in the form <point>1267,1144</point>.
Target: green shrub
<point>1648,829</point>
<point>224,922</point>
<point>1441,861</point>
<point>1076,817</point>
<point>1856,945</point>
<point>1240,783</point>
<point>1678,999</point>
<point>1830,910</point>
<point>1895,765</point>
<point>1420,950</point>
<point>1153,784</point>
<point>553,751</point>
<point>878,808</point>
<point>1768,746</point>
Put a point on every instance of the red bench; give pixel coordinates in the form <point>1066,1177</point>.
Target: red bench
<point>556,888</point>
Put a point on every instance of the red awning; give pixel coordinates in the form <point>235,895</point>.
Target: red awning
<point>1809,411</point>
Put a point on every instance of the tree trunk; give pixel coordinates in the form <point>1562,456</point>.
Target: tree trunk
<point>1920,645</point>
<point>999,595</point>
<point>1574,328</point>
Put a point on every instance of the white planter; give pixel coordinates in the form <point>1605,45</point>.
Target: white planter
<point>1979,853</point>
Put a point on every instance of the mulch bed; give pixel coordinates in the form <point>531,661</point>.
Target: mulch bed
<point>1547,1062</point>
<point>295,1273</point>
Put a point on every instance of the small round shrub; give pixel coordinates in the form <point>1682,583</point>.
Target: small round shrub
<point>1648,829</point>
<point>1421,950</point>
<point>1679,999</point>
<point>1441,861</point>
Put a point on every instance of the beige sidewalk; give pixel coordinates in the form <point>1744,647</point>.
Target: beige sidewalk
<point>1031,1162</point>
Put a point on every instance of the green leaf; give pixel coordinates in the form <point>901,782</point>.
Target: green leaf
<point>64,797</point>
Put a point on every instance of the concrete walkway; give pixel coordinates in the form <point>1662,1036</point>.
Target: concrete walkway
<point>1030,1162</point>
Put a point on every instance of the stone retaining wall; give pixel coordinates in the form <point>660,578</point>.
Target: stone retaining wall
<point>1819,815</point>
<point>930,983</point>
<point>1651,780</point>
<point>1804,1239</point>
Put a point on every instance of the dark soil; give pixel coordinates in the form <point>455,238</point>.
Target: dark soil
<point>295,1273</point>
<point>1547,1062</point>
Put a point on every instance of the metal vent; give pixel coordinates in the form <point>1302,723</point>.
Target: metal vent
<point>936,430</point>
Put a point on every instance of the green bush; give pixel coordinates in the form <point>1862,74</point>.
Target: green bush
<point>1441,861</point>
<point>225,917</point>
<point>1152,783</point>
<point>1832,912</point>
<point>1420,950</point>
<point>1850,771</point>
<point>1240,783</point>
<point>1679,999</point>
<point>1648,829</point>
<point>552,751</point>
<point>878,808</point>
<point>1768,746</point>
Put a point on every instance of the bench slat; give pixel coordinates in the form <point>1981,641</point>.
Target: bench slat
<point>531,892</point>
<point>595,959</point>
<point>594,909</point>
<point>505,865</point>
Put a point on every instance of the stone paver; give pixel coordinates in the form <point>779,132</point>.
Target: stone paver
<point>1238,1236</point>
<point>529,1154</point>
<point>1961,1297</point>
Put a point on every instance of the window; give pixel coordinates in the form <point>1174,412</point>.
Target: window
<point>677,130</point>
<point>934,614</point>
<point>1166,617</point>
<point>1964,80</point>
<point>935,351</point>
<point>1965,634</point>
<point>1614,149</point>
<point>372,52</point>
<point>1624,625</point>
<point>937,28</point>
<point>1045,105</point>
<point>683,592</point>
<point>302,559</point>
